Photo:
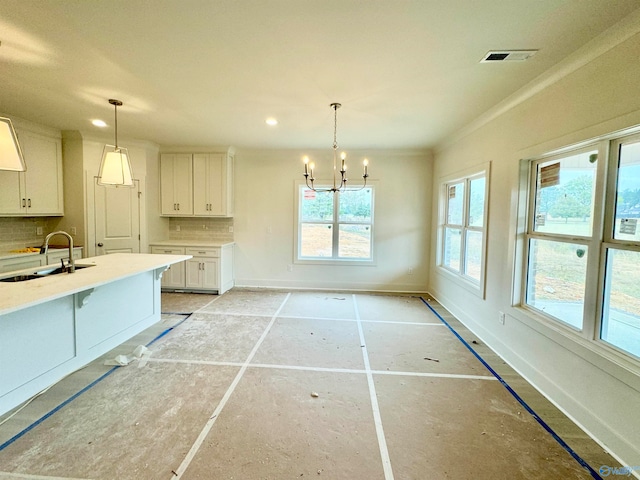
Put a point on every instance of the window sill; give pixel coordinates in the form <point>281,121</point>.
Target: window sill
<point>336,262</point>
<point>472,287</point>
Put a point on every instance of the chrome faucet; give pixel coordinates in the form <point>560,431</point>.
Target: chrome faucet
<point>45,248</point>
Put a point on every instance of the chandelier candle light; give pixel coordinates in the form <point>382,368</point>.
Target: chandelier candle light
<point>337,186</point>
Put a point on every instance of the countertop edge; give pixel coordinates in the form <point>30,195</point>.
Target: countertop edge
<point>117,266</point>
<point>190,243</point>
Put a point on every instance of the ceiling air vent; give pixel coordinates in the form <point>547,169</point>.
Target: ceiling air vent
<point>508,56</point>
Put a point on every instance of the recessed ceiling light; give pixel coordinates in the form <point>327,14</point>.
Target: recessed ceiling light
<point>271,121</point>
<point>98,123</point>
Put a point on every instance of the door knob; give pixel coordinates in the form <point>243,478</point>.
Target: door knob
<point>101,244</point>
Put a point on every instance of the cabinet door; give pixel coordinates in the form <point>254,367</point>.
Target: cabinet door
<point>173,277</point>
<point>210,273</point>
<point>210,184</point>
<point>176,184</point>
<point>43,178</point>
<point>11,193</point>
<point>194,273</point>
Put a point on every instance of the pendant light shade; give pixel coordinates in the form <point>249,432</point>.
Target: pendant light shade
<point>10,153</point>
<point>115,167</point>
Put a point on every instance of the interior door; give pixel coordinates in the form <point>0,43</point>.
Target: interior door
<point>117,218</point>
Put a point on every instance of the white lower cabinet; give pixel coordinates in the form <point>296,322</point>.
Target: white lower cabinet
<point>174,276</point>
<point>210,269</point>
<point>13,264</point>
<point>54,256</point>
<point>202,273</point>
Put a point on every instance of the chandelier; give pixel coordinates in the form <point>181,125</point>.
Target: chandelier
<point>338,184</point>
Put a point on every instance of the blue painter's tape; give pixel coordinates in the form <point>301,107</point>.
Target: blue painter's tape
<point>77,394</point>
<point>524,404</point>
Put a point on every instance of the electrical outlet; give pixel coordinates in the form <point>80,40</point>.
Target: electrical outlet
<point>501,317</point>
<point>38,230</point>
<point>74,231</point>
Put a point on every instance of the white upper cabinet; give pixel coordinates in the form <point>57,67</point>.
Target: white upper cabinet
<point>176,184</point>
<point>207,177</point>
<point>212,185</point>
<point>38,191</point>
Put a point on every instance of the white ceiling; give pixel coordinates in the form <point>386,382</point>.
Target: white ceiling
<point>209,72</point>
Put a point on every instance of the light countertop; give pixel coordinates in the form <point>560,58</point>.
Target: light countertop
<point>108,268</point>
<point>191,243</point>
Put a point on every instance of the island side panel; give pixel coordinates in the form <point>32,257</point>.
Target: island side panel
<point>40,345</point>
<point>34,341</point>
<point>111,314</point>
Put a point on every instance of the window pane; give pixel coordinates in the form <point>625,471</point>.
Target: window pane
<point>621,307</point>
<point>556,279</point>
<point>316,206</point>
<point>451,254</point>
<point>564,195</point>
<point>628,194</point>
<point>455,202</point>
<point>316,240</point>
<point>476,202</point>
<point>473,255</point>
<point>354,241</point>
<point>355,206</point>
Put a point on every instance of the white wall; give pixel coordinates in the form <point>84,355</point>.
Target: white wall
<point>601,96</point>
<point>265,202</point>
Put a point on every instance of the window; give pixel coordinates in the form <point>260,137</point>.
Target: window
<point>335,226</point>
<point>463,227</point>
<point>581,252</point>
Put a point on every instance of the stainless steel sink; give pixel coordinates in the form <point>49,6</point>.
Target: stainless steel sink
<point>21,278</point>
<point>44,272</point>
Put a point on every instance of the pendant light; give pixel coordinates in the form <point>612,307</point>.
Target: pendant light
<point>115,168</point>
<point>11,157</point>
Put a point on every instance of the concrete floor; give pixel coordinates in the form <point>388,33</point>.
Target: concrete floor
<point>285,385</point>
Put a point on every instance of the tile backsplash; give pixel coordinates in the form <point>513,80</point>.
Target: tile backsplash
<point>193,228</point>
<point>20,232</point>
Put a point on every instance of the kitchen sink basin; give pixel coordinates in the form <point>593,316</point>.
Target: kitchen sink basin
<point>44,272</point>
<point>21,278</point>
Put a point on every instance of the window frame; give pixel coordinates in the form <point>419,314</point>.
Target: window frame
<point>476,286</point>
<point>599,243</point>
<point>335,223</point>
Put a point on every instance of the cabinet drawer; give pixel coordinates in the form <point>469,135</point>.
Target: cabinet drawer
<point>168,250</point>
<point>203,252</point>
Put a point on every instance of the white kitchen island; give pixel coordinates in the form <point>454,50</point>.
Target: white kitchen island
<point>51,326</point>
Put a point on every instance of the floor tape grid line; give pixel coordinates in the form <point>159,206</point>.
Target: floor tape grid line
<point>215,363</point>
<point>302,317</point>
<point>520,400</point>
<point>216,413</point>
<point>26,476</point>
<point>382,441</point>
